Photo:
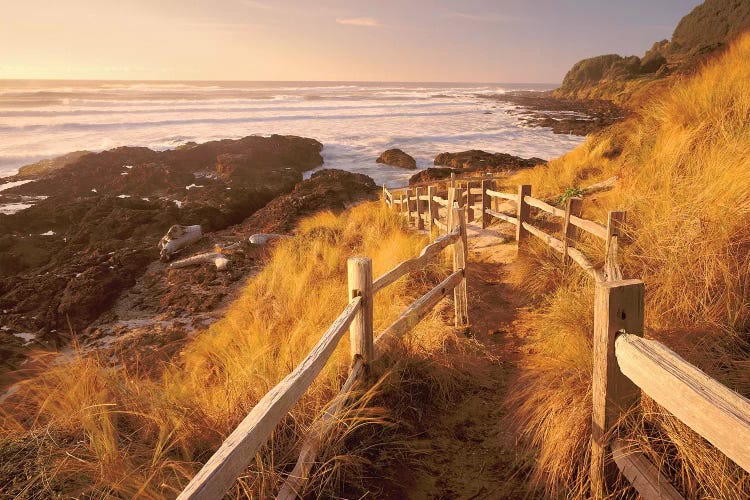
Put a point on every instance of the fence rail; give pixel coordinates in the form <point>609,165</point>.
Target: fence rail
<point>239,449</point>
<point>625,364</point>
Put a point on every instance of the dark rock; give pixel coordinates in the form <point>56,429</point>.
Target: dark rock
<point>431,174</point>
<point>481,160</point>
<point>397,158</point>
<point>562,115</point>
<point>327,189</point>
<point>44,166</point>
<point>65,260</point>
<point>652,63</point>
<point>710,26</point>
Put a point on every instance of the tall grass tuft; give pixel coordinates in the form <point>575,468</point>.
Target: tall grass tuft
<point>83,428</point>
<point>682,165</point>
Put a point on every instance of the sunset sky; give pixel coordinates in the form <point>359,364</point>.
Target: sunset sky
<point>362,40</point>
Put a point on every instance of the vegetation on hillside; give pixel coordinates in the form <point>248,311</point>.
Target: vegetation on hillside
<point>682,165</point>
<point>630,81</point>
<point>84,428</point>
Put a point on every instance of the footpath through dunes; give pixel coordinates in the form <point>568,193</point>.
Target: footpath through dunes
<point>469,453</point>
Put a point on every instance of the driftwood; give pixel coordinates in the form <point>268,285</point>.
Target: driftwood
<point>177,238</point>
<point>217,258</point>
<point>601,186</point>
<point>264,238</point>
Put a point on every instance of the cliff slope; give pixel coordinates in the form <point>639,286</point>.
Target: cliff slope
<point>706,30</point>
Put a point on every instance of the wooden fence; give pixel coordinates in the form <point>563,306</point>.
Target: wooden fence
<point>625,365</point>
<point>239,449</point>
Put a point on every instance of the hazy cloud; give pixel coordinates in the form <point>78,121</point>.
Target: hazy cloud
<point>258,5</point>
<point>485,18</point>
<point>358,21</point>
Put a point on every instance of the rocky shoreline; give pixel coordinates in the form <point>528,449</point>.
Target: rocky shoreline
<point>78,249</point>
<point>83,261</point>
<point>562,115</point>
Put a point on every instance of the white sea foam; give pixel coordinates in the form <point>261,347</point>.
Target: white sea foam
<point>11,208</point>
<point>355,121</point>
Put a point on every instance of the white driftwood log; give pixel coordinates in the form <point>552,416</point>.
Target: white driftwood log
<point>218,259</point>
<point>264,238</point>
<point>177,238</point>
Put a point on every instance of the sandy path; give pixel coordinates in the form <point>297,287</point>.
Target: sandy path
<point>472,455</point>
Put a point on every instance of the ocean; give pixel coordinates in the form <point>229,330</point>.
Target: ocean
<point>355,121</point>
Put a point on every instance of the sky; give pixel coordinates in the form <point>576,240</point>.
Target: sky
<point>513,41</point>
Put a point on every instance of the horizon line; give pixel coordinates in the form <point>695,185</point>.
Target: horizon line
<point>268,81</point>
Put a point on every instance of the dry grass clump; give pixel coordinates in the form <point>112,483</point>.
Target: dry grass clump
<point>683,169</point>
<point>82,428</point>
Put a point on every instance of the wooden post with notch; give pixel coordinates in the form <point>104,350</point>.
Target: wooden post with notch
<point>522,213</point>
<point>449,211</point>
<point>402,207</point>
<point>359,273</point>
<point>615,226</point>
<point>460,257</point>
<point>618,307</point>
<point>432,207</point>
<point>409,196</point>
<point>573,206</point>
<point>486,201</point>
<point>420,212</point>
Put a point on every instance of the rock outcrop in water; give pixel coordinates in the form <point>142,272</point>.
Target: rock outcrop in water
<point>476,159</point>
<point>397,158</point>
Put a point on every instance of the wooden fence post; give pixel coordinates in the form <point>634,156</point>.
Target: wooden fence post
<point>402,207</point>
<point>569,231</point>
<point>449,212</point>
<point>486,201</point>
<point>453,180</point>
<point>385,195</point>
<point>432,207</point>
<point>615,224</point>
<point>522,214</point>
<point>420,212</point>
<point>409,196</point>
<point>359,273</point>
<point>460,257</point>
<point>618,306</point>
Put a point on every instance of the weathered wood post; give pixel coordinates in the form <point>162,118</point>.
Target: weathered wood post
<point>449,212</point>
<point>522,214</point>
<point>615,225</point>
<point>409,203</point>
<point>420,206</point>
<point>618,306</point>
<point>385,195</point>
<point>453,179</point>
<point>460,257</point>
<point>486,201</point>
<point>573,206</point>
<point>432,207</point>
<point>402,207</point>
<point>359,273</point>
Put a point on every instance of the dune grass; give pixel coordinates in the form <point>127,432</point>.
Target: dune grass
<point>683,165</point>
<point>83,428</point>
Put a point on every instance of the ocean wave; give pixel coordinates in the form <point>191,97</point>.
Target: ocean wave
<point>242,119</point>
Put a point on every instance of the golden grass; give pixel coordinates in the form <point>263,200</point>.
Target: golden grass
<point>107,431</point>
<point>683,167</point>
